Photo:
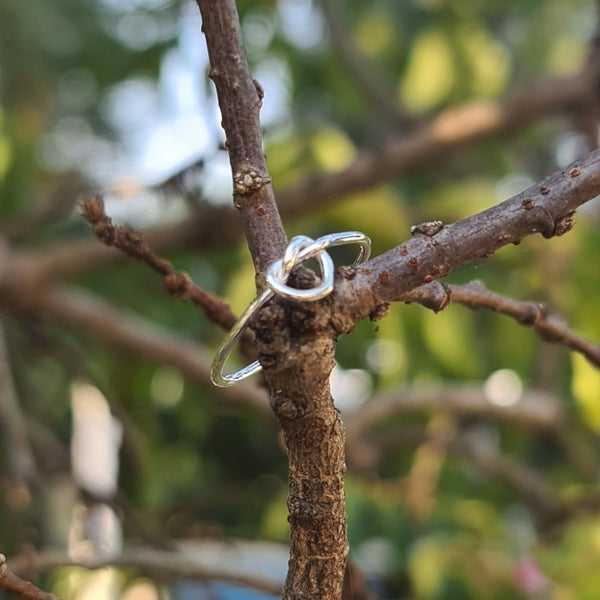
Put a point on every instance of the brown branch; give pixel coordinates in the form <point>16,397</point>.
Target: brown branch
<point>19,587</point>
<point>212,226</point>
<point>240,99</point>
<point>535,409</point>
<point>208,227</point>
<point>440,139</point>
<point>296,344</point>
<point>547,208</point>
<point>134,334</point>
<point>550,327</point>
<point>153,563</point>
<point>179,285</point>
<point>374,86</point>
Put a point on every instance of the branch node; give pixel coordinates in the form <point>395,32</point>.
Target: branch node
<point>548,230</point>
<point>105,232</point>
<point>247,181</point>
<point>532,313</point>
<point>428,228</point>
<point>179,285</point>
<point>92,209</point>
<point>346,272</point>
<point>259,89</point>
<point>379,312</point>
<point>527,204</point>
<point>285,408</point>
<point>565,224</point>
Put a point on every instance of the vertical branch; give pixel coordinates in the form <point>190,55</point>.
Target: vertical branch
<point>240,99</point>
<point>298,358</point>
<point>295,340</point>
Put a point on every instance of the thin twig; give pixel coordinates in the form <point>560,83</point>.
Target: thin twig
<point>208,227</point>
<point>536,409</point>
<point>154,563</point>
<point>19,587</point>
<point>178,284</point>
<point>550,327</point>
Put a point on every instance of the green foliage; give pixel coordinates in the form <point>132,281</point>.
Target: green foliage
<point>187,459</point>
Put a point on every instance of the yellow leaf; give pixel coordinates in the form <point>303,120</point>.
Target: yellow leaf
<point>375,33</point>
<point>332,149</point>
<point>489,61</point>
<point>427,565</point>
<point>586,389</point>
<point>430,73</point>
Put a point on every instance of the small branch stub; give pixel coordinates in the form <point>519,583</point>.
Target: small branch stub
<point>428,228</point>
<point>248,181</point>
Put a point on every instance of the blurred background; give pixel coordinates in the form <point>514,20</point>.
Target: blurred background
<point>479,476</point>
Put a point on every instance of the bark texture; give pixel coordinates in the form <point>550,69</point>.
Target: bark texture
<point>547,208</point>
<point>295,341</point>
<point>240,99</point>
<point>296,347</point>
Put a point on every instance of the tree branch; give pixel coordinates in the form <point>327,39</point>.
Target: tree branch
<point>535,409</point>
<point>547,208</point>
<point>212,226</point>
<point>153,563</point>
<point>20,588</point>
<point>550,327</point>
<point>240,99</point>
<point>178,284</point>
<point>133,333</point>
<point>440,139</point>
<point>295,342</point>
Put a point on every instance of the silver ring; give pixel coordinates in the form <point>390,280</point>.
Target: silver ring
<point>300,249</point>
<point>279,271</point>
<point>231,339</point>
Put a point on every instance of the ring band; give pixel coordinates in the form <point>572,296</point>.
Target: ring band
<point>300,249</point>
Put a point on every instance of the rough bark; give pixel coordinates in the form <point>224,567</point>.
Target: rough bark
<point>547,208</point>
<point>295,341</point>
<point>296,348</point>
<point>240,99</point>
